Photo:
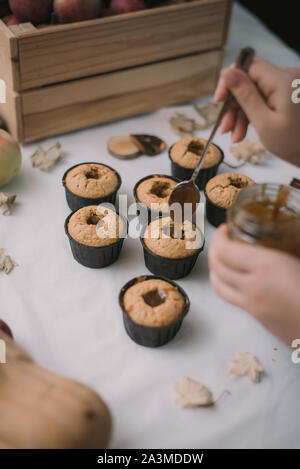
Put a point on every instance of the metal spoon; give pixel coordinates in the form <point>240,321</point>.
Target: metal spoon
<point>187,192</point>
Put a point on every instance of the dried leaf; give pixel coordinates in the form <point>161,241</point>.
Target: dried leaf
<point>192,393</point>
<point>6,262</point>
<point>183,125</point>
<point>245,364</point>
<point>148,144</point>
<point>209,112</point>
<point>7,201</point>
<point>44,160</point>
<point>250,150</point>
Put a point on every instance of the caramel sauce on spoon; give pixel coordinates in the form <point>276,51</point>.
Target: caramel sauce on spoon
<point>187,192</point>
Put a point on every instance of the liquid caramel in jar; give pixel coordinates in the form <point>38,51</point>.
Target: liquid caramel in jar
<point>267,215</point>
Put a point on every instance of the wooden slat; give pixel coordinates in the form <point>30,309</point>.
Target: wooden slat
<point>19,29</point>
<point>11,112</point>
<point>66,52</point>
<point>227,20</point>
<point>66,107</point>
<point>9,69</point>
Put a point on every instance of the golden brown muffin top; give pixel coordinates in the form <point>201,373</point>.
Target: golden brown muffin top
<point>187,153</point>
<point>162,238</point>
<point>96,226</point>
<point>223,188</point>
<point>154,303</point>
<point>91,180</point>
<point>156,191</point>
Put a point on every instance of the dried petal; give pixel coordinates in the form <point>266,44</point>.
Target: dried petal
<point>250,150</point>
<point>148,144</point>
<point>192,393</point>
<point>209,112</point>
<point>183,125</point>
<point>7,201</point>
<point>44,160</point>
<point>245,364</point>
<point>6,262</point>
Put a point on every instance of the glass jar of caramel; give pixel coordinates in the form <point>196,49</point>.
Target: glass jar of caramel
<point>267,215</point>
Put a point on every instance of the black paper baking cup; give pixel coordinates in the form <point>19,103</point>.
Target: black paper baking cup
<point>76,202</point>
<point>171,268</point>
<point>92,256</point>
<point>205,174</point>
<point>152,336</point>
<point>151,213</point>
<point>215,214</point>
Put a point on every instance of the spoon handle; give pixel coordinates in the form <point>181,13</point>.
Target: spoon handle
<point>243,62</point>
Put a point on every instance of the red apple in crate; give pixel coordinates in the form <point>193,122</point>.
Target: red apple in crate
<point>34,11</point>
<point>126,6</point>
<point>4,327</point>
<point>70,11</point>
<point>10,20</point>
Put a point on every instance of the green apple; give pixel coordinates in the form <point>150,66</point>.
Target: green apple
<point>10,158</point>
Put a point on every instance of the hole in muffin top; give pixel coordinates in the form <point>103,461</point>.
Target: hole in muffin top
<point>93,173</point>
<point>160,189</point>
<point>175,232</point>
<point>195,147</point>
<point>154,297</point>
<point>238,183</point>
<point>94,219</point>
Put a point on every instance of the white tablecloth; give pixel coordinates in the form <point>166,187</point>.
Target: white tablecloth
<point>68,318</point>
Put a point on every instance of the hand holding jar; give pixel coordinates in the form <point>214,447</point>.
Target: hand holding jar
<point>264,282</point>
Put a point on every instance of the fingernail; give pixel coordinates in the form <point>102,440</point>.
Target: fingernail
<point>232,78</point>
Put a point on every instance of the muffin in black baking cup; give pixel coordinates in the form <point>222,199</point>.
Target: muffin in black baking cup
<point>151,214</point>
<point>171,268</point>
<point>152,336</point>
<point>76,202</point>
<point>205,174</point>
<point>215,214</point>
<point>95,257</point>
<point>231,183</point>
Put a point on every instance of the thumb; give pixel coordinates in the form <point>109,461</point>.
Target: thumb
<point>247,95</point>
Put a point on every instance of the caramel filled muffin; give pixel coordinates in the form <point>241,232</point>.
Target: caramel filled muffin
<point>84,228</point>
<point>162,238</point>
<point>221,192</point>
<point>153,309</point>
<point>170,250</point>
<point>187,153</point>
<point>91,180</point>
<point>223,189</point>
<point>153,303</point>
<point>154,192</point>
<point>96,234</point>
<point>90,184</point>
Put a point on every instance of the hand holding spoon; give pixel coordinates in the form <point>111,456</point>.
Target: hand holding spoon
<point>187,192</point>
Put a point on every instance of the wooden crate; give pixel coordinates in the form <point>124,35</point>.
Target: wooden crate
<point>68,77</point>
